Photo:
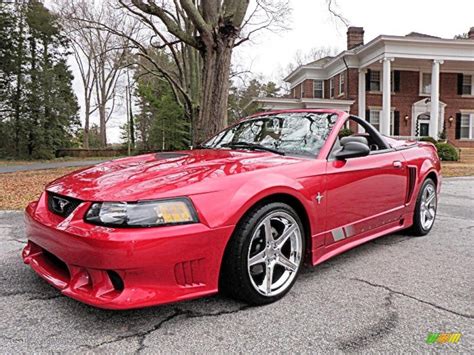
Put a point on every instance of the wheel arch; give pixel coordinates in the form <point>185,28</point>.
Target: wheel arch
<point>283,197</point>
<point>433,176</point>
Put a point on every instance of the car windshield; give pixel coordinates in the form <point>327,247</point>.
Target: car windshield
<point>298,133</point>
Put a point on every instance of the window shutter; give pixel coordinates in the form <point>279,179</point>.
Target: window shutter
<point>396,123</point>
<point>367,115</point>
<point>367,80</point>
<point>460,80</point>
<point>396,79</point>
<point>458,126</point>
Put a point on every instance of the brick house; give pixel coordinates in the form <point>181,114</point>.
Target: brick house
<point>408,86</point>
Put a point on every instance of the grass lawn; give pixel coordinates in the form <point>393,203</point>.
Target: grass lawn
<point>17,189</point>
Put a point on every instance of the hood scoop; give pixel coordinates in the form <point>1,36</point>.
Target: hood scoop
<point>169,155</point>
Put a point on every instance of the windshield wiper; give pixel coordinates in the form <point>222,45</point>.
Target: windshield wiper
<point>251,146</point>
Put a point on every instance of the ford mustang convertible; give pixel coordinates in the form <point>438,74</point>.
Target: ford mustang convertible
<point>240,214</point>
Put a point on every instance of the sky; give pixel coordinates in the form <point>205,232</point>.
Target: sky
<point>311,25</point>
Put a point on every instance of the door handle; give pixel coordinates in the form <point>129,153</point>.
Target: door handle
<point>397,164</point>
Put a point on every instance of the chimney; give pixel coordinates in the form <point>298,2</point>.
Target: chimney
<point>470,34</point>
<point>355,37</point>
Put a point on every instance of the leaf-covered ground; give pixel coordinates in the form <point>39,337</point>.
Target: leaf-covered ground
<point>18,189</point>
<point>451,169</point>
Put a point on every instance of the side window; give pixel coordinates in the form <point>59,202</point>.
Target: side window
<point>352,128</point>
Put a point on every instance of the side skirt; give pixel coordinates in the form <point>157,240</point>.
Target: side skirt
<point>326,252</point>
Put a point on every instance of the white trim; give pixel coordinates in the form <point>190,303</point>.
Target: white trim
<point>389,46</point>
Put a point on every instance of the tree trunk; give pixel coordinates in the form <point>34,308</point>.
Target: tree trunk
<point>215,90</point>
<point>85,137</point>
<point>103,130</point>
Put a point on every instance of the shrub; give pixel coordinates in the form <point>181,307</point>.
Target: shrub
<point>447,152</point>
<point>428,139</point>
<point>345,132</point>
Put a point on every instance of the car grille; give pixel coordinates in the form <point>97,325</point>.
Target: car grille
<point>62,205</point>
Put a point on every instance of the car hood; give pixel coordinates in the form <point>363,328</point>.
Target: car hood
<point>163,174</point>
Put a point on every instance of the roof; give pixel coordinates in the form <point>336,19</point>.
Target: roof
<point>411,39</point>
<point>417,34</point>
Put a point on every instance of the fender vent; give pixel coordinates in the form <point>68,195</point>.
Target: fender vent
<point>411,183</point>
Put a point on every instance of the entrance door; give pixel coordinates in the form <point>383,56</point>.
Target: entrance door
<point>423,122</point>
<point>424,129</point>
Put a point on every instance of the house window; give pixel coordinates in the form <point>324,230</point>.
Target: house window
<point>375,116</point>
<point>331,87</point>
<point>466,84</point>
<point>467,126</point>
<point>302,90</point>
<point>342,78</point>
<point>426,83</point>
<point>374,80</point>
<point>318,89</point>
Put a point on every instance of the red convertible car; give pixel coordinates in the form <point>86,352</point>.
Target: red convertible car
<point>240,214</point>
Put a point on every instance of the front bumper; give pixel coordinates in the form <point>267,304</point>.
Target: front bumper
<point>118,268</point>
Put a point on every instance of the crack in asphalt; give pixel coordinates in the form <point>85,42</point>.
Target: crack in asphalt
<point>464,315</point>
<point>177,312</point>
<point>16,240</point>
<point>374,332</point>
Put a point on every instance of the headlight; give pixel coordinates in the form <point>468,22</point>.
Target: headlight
<point>142,214</point>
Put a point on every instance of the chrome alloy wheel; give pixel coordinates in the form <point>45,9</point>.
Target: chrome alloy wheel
<point>275,253</point>
<point>428,207</point>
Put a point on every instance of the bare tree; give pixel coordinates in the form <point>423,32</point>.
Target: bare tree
<point>200,37</point>
<point>100,55</point>
<point>83,43</point>
<point>305,57</point>
<point>336,13</point>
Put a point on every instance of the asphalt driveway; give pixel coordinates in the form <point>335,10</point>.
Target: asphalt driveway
<point>386,295</point>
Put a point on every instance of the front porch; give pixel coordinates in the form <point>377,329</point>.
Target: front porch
<point>412,80</point>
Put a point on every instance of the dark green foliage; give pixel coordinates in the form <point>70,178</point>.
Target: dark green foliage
<point>345,132</point>
<point>161,123</point>
<point>39,110</point>
<point>241,99</point>
<point>447,152</point>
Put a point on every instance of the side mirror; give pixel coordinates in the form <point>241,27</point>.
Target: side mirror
<point>352,149</point>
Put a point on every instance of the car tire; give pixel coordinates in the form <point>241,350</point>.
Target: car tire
<point>425,209</point>
<point>255,251</point>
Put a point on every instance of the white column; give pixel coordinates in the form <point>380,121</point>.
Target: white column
<point>361,96</point>
<point>434,115</point>
<point>386,96</point>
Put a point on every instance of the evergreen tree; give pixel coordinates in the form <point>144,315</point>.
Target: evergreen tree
<point>39,107</point>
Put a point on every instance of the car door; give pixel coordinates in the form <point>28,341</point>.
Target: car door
<point>364,194</point>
